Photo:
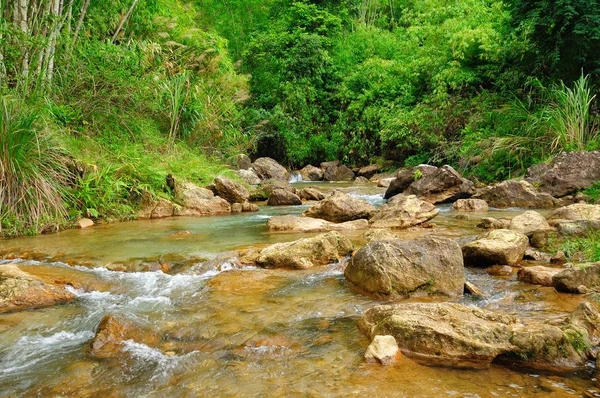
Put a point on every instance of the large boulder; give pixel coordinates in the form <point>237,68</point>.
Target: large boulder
<point>470,205</point>
<point>116,332</point>
<point>196,201</point>
<point>450,334</point>
<point>396,268</point>
<point>307,252</point>
<point>152,207</point>
<point>282,197</point>
<point>249,176</point>
<point>577,227</point>
<point>308,224</point>
<point>267,169</point>
<point>20,290</point>
<point>498,247</point>
<point>405,177</point>
<point>566,174</point>
<point>311,173</point>
<point>266,188</point>
<point>529,222</point>
<point>575,212</point>
<point>442,185</point>
<point>369,171</point>
<point>513,193</point>
<point>538,275</point>
<point>338,173</point>
<point>340,207</point>
<point>311,193</point>
<point>240,162</point>
<point>230,190</point>
<point>579,279</point>
<point>403,212</point>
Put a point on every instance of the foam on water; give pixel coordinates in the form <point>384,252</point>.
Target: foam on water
<point>295,176</point>
<point>375,199</point>
<point>163,364</point>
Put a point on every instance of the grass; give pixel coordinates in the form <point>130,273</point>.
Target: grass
<point>582,249</point>
<point>33,171</point>
<point>593,191</point>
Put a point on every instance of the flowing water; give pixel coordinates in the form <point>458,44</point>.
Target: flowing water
<point>230,330</point>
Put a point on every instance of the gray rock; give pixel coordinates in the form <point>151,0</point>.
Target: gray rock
<point>498,247</point>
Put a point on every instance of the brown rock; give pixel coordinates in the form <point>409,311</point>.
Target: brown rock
<point>575,212</point>
<point>267,169</point>
<point>113,333</point>
<point>580,279</point>
<point>282,197</point>
<point>196,201</point>
<point>529,222</point>
<point>383,349</point>
<point>403,212</point>
<point>249,176</point>
<point>311,173</point>
<point>250,207</point>
<point>84,223</point>
<point>310,193</point>
<point>493,223</point>
<point>498,247</point>
<point>340,207</point>
<point>230,190</point>
<point>338,173</point>
<point>538,275</point>
<point>513,193</point>
<point>470,205</point>
<point>369,171</point>
<point>441,185</point>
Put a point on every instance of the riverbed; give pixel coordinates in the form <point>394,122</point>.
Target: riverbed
<point>228,329</point>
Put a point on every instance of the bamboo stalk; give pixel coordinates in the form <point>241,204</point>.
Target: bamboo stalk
<point>123,20</point>
<point>80,21</point>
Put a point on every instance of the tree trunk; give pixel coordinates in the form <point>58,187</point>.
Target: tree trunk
<point>2,66</point>
<point>124,19</point>
<point>22,24</point>
<point>57,25</point>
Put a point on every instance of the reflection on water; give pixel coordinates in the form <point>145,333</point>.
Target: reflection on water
<point>231,331</point>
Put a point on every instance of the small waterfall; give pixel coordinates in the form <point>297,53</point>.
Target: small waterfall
<point>295,176</point>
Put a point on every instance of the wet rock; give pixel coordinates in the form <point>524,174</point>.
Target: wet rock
<point>587,316</point>
<point>340,207</point>
<point>513,193</point>
<point>153,207</point>
<point>385,182</point>
<point>237,208</point>
<point>380,234</point>
<point>230,190</point>
<point>369,171</point>
<point>500,270</point>
<point>498,247</point>
<point>361,181</point>
<point>282,197</point>
<point>536,255</point>
<point>338,173</point>
<point>383,349</point>
<point>308,224</point>
<point>180,234</point>
<point>20,290</point>
<point>579,279</point>
<point>269,169</point>
<point>558,258</point>
<point>470,205</point>
<point>248,207</point>
<point>391,269</point>
<point>113,334</point>
<point>84,223</point>
<point>575,212</point>
<point>311,173</point>
<point>249,176</point>
<point>266,188</point>
<point>576,228</point>
<point>403,212</point>
<point>311,193</point>
<point>304,253</point>
<point>529,222</point>
<point>541,239</point>
<point>566,174</point>
<point>405,177</point>
<point>538,275</point>
<point>473,290</point>
<point>196,201</point>
<point>451,334</point>
<point>493,223</point>
<point>441,185</point>
<point>240,162</point>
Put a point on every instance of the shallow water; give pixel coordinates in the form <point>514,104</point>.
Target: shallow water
<point>230,331</point>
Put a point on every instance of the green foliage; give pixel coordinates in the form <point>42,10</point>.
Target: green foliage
<point>593,192</point>
<point>33,171</point>
<point>581,249</point>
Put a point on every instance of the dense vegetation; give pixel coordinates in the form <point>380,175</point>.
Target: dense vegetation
<point>100,100</point>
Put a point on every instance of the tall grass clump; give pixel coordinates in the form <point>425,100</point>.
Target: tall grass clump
<point>33,172</point>
<point>552,119</point>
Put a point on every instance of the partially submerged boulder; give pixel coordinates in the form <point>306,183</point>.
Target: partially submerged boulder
<point>397,268</point>
<point>581,278</point>
<point>383,349</point>
<point>311,193</point>
<point>196,201</point>
<point>441,185</point>
<point>309,224</point>
<point>529,222</point>
<point>498,247</point>
<point>493,223</point>
<point>568,173</point>
<point>403,212</point>
<point>153,207</point>
<point>405,177</point>
<point>266,188</point>
<point>470,205</point>
<point>538,275</point>
<point>513,193</point>
<point>267,169</point>
<point>305,253</point>
<point>230,190</point>
<point>20,290</point>
<point>282,197</point>
<point>340,207</point>
<point>114,334</point>
<point>311,173</point>
<point>450,334</point>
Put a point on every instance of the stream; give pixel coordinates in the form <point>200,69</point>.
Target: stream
<point>229,330</point>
